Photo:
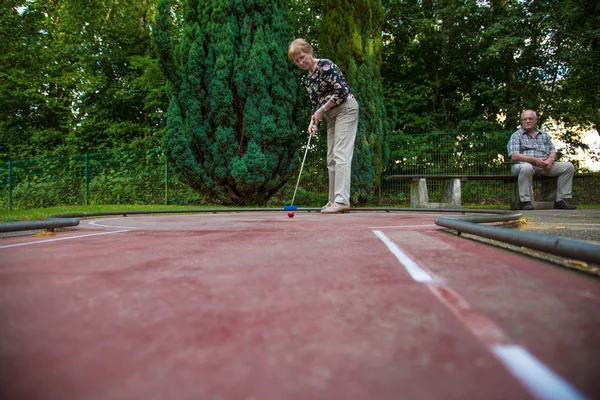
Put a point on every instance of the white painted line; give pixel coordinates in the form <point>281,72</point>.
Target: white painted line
<point>95,223</point>
<point>402,226</point>
<point>539,379</point>
<point>98,223</point>
<point>59,239</point>
<point>417,273</point>
<point>482,327</point>
<point>536,377</point>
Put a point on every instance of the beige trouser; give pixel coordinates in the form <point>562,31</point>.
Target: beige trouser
<point>563,170</point>
<point>342,122</point>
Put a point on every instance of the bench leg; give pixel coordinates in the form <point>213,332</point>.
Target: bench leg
<point>547,195</point>
<point>515,201</point>
<point>545,200</point>
<point>418,194</point>
<point>451,196</point>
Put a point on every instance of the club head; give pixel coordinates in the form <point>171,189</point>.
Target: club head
<point>290,208</point>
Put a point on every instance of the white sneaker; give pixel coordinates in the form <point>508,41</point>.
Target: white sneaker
<point>329,204</point>
<point>337,208</point>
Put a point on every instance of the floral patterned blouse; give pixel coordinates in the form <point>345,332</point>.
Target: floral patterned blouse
<point>326,83</point>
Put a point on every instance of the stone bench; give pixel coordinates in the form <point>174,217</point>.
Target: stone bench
<point>452,194</point>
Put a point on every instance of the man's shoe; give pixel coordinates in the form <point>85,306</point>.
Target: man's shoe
<point>329,204</point>
<point>526,205</point>
<point>563,205</point>
<point>336,208</point>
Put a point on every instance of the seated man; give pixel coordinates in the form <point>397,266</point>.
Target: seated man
<point>537,156</point>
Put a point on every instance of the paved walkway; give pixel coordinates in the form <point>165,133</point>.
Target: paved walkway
<point>578,224</point>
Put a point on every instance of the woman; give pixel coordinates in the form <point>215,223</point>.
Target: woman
<point>331,99</point>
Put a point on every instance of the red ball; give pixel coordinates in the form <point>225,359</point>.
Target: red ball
<point>291,214</point>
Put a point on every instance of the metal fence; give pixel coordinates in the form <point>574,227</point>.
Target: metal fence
<point>132,177</point>
<point>145,177</point>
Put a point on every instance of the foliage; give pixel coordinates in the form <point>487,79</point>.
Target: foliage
<point>472,65</point>
<point>78,77</point>
<point>132,177</point>
<point>33,105</point>
<point>231,130</point>
<point>306,15</point>
<point>575,35</point>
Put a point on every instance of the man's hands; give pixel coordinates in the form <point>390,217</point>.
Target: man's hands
<point>545,163</point>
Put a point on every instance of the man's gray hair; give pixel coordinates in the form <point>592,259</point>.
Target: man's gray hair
<point>533,111</point>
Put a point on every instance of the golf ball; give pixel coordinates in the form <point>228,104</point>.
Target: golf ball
<point>291,214</point>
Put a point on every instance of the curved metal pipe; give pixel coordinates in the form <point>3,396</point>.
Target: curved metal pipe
<point>36,225</point>
<point>537,241</point>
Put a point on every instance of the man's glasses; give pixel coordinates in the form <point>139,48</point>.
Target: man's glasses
<point>528,119</point>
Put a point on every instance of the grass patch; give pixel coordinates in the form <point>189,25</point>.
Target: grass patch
<point>37,214</point>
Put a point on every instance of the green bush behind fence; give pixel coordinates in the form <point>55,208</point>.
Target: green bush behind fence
<point>145,177</point>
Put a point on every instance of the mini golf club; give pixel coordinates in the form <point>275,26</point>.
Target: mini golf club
<point>292,207</point>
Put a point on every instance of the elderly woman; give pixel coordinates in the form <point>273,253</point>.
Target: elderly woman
<point>331,99</point>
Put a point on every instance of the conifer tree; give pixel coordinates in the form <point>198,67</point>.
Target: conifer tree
<point>233,97</point>
<point>350,35</point>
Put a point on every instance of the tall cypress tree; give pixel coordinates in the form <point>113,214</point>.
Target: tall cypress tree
<point>350,35</point>
<point>233,97</point>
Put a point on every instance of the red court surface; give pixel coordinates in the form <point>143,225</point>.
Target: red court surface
<point>261,306</point>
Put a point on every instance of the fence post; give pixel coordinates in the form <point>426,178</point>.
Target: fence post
<point>381,178</point>
<point>9,186</point>
<point>166,182</point>
<point>87,179</point>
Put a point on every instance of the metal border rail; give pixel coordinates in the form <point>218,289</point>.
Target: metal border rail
<point>551,244</point>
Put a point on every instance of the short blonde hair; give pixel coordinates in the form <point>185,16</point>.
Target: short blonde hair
<point>299,46</point>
